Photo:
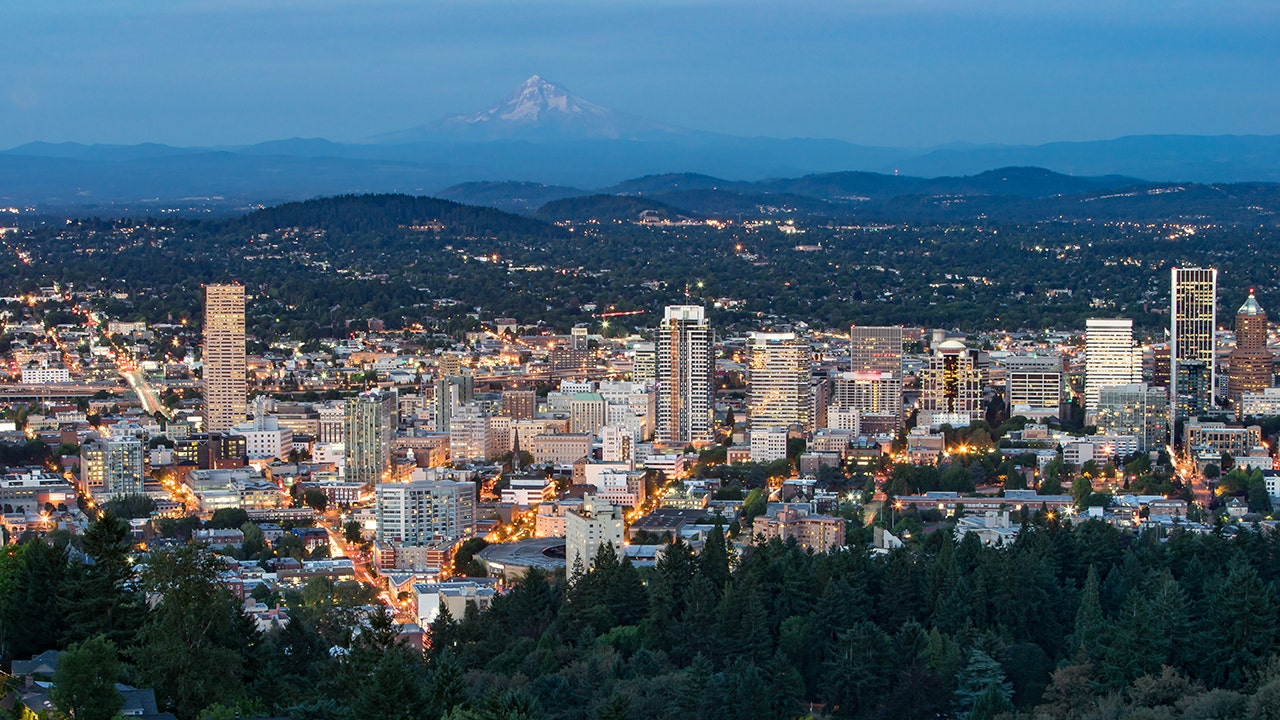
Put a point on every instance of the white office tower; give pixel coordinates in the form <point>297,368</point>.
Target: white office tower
<point>768,444</point>
<point>1110,358</point>
<point>685,376</point>
<point>333,421</point>
<point>226,388</point>
<point>265,438</point>
<point>1193,321</point>
<point>871,397</point>
<point>587,412</point>
<point>778,375</point>
<point>370,425</point>
<point>425,512</point>
<point>469,436</point>
<point>630,405</point>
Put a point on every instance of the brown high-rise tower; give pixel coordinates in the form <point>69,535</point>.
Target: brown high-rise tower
<point>1250,361</point>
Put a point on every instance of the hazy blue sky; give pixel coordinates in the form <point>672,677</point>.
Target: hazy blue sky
<point>885,72</point>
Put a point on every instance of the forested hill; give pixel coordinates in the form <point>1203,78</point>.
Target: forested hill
<point>1012,194</point>
<point>1064,623</point>
<point>345,214</point>
<point>609,208</point>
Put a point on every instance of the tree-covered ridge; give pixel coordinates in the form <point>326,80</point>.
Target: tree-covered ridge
<point>353,214</point>
<point>311,268</point>
<point>1059,624</point>
<point>609,209</point>
<point>1066,622</point>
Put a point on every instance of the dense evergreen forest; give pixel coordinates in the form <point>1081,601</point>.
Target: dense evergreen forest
<point>313,268</point>
<point>1067,622</point>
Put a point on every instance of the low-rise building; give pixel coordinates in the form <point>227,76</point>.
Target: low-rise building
<point>30,489</point>
<point>768,444</point>
<point>992,527</point>
<point>452,595</point>
<point>528,490</point>
<point>549,520</point>
<point>589,527</point>
<point>821,533</point>
<point>1238,441</point>
<point>336,492</point>
<point>925,446</point>
<point>220,537</point>
<point>1099,448</point>
<point>1260,404</point>
<point>560,448</point>
<point>298,572</point>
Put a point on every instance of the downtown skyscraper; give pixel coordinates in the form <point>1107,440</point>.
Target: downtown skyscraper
<point>685,372</point>
<point>875,349</point>
<point>226,388</point>
<point>1251,362</point>
<point>370,424</point>
<point>1193,322</point>
<point>779,374</point>
<point>951,387</point>
<point>1110,358</point>
<point>873,388</point>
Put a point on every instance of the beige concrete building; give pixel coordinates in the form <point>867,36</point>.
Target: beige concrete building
<point>226,389</point>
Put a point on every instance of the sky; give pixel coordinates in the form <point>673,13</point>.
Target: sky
<point>906,73</point>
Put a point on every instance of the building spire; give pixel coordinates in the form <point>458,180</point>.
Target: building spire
<point>1250,306</point>
<point>515,453</point>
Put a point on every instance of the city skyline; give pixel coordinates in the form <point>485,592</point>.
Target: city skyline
<point>679,359</point>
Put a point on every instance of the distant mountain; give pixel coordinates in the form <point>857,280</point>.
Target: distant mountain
<point>516,197</point>
<point>1006,194</point>
<point>109,182</point>
<point>558,142</point>
<point>538,110</point>
<point>1176,158</point>
<point>725,204</point>
<point>674,182</point>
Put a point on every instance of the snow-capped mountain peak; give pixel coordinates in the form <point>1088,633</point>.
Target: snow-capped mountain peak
<point>534,101</point>
<point>539,109</point>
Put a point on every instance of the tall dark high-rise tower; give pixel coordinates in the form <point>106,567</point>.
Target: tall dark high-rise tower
<point>1192,322</point>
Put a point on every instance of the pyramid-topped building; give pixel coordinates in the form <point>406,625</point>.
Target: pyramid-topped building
<point>1251,363</point>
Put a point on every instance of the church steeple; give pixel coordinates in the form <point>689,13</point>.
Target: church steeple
<point>515,454</point>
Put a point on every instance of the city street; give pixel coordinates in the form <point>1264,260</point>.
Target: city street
<point>146,394</point>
